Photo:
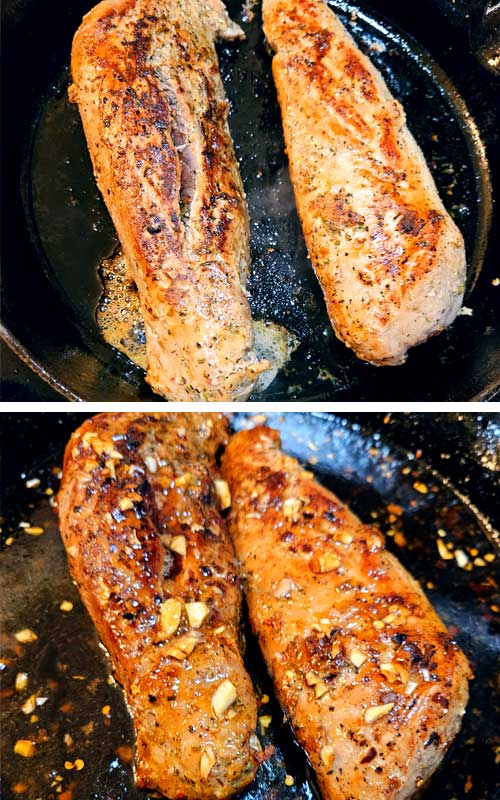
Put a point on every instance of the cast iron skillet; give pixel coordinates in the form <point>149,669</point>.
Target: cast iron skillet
<point>56,228</point>
<point>371,461</point>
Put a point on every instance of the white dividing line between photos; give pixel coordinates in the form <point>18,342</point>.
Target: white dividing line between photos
<point>342,407</point>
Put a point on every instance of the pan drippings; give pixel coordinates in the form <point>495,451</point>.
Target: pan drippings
<point>120,320</point>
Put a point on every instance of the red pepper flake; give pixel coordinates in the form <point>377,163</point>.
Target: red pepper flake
<point>468,784</point>
<point>19,788</point>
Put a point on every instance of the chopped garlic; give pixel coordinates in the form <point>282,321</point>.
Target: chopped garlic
<point>183,480</point>
<point>34,530</point>
<point>223,493</point>
<point>125,504</point>
<point>66,606</point>
<point>326,755</point>
<point>335,649</point>
<point>183,646</point>
<point>357,657</point>
<point>254,743</point>
<point>291,507</point>
<point>207,761</point>
<point>284,588</point>
<point>403,672</point>
<point>178,545</point>
<point>461,558</point>
<point>25,748</point>
<point>443,551</point>
<point>150,463</point>
<point>320,689</point>
<point>326,562</point>
<point>410,687</point>
<point>312,679</point>
<point>25,636</point>
<point>376,712</point>
<point>223,697</point>
<point>32,483</point>
<point>197,614</point>
<point>29,706</point>
<point>389,672</point>
<point>170,615</point>
<point>21,681</point>
<point>264,722</point>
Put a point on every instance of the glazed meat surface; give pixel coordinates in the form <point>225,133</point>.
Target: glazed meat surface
<point>390,260</point>
<point>148,88</point>
<point>370,679</point>
<point>139,516</point>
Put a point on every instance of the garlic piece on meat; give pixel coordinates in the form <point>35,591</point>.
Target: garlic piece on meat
<point>389,671</point>
<point>170,615</point>
<point>223,493</point>
<point>125,504</point>
<point>291,507</point>
<point>207,761</point>
<point>223,697</point>
<point>326,756</point>
<point>376,712</point>
<point>183,646</point>
<point>320,689</point>
<point>254,743</point>
<point>312,679</point>
<point>150,463</point>
<point>326,562</point>
<point>357,657</point>
<point>197,613</point>
<point>183,480</point>
<point>284,588</point>
<point>178,545</point>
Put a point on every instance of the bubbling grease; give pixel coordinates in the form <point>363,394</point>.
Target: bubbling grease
<point>120,319</point>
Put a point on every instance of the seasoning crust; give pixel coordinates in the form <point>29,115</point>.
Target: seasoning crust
<point>371,681</point>
<point>148,88</point>
<point>389,258</point>
<point>150,553</point>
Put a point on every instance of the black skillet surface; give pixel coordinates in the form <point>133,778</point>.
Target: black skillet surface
<point>411,475</point>
<point>55,237</point>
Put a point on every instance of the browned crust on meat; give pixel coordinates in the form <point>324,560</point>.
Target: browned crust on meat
<point>392,270</point>
<point>331,609</point>
<point>132,482</point>
<point>148,88</point>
